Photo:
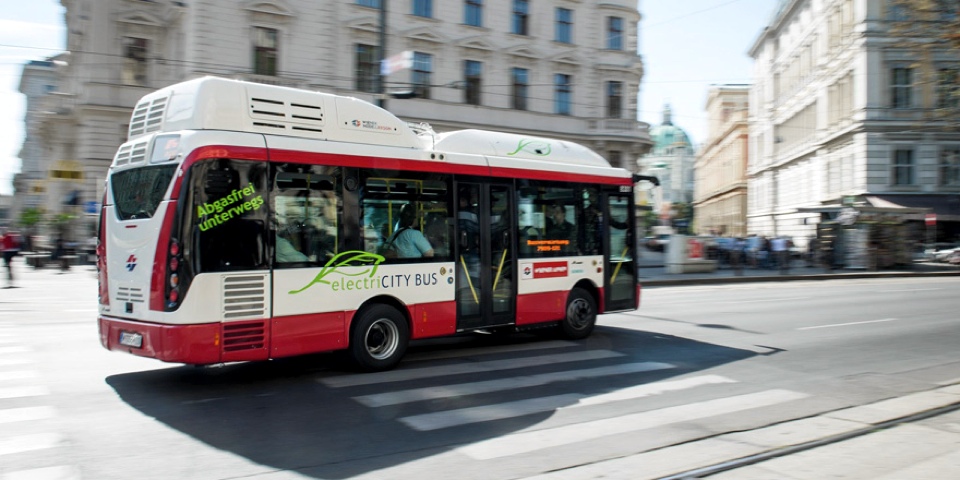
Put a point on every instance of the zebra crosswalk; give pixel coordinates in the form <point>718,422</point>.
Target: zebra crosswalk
<point>23,417</point>
<point>568,394</point>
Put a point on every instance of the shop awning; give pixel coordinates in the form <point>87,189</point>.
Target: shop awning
<point>945,206</point>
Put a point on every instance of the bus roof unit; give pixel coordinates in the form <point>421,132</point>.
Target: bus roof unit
<point>212,103</point>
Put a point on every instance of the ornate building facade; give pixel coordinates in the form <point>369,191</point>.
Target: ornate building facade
<point>720,188</point>
<point>845,112</point>
<point>564,69</point>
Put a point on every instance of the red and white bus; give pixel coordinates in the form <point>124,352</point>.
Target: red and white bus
<point>246,222</point>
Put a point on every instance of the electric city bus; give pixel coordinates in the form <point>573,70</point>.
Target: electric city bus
<point>246,222</point>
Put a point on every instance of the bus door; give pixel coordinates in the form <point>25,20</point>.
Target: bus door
<point>486,293</point>
<point>620,279</point>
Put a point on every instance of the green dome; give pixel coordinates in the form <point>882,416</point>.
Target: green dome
<point>669,138</point>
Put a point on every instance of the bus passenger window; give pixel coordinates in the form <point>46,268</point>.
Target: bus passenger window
<point>306,215</point>
<point>402,216</point>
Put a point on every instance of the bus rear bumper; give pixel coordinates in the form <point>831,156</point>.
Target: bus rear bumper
<point>190,344</point>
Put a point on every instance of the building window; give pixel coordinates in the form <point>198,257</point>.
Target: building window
<point>367,68</point>
<point>520,85</point>
<point>903,167</point>
<point>521,15</point>
<point>614,33</point>
<point>423,8</point>
<point>950,167</point>
<point>472,75</point>
<point>564,26</point>
<point>264,51</point>
<point>901,86</point>
<point>615,157</point>
<point>897,11</point>
<point>369,3</point>
<point>134,61</point>
<point>473,13</point>
<point>422,72</point>
<point>614,99</point>
<point>948,88</point>
<point>562,85</point>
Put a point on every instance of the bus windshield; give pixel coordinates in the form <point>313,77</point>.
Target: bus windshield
<point>138,192</point>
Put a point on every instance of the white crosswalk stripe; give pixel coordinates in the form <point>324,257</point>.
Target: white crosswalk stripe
<point>27,443</point>
<point>16,383</point>
<point>27,391</point>
<point>459,390</point>
<point>24,414</point>
<point>48,473</point>
<point>466,368</point>
<point>532,439</point>
<point>451,418</point>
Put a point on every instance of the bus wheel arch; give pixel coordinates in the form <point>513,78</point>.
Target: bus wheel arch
<point>379,335</point>
<point>580,315</point>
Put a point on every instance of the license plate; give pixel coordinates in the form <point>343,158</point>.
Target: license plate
<point>131,339</point>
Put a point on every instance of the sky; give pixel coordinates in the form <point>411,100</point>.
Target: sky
<point>686,46</point>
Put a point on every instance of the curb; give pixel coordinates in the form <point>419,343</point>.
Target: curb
<point>715,454</point>
<point>654,282</point>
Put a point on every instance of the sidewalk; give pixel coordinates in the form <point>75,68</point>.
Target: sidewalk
<point>652,272</point>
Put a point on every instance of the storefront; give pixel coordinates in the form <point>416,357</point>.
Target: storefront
<point>862,236</point>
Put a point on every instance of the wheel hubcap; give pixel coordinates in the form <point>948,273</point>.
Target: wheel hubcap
<point>579,314</point>
<point>382,339</point>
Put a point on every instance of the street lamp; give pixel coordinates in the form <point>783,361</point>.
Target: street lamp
<point>381,91</point>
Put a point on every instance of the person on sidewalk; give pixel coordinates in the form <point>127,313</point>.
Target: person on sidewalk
<point>781,251</point>
<point>10,243</point>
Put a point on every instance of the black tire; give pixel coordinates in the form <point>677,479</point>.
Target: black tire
<point>581,315</point>
<point>378,338</point>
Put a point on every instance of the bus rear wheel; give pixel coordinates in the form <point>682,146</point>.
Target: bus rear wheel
<point>581,315</point>
<point>378,338</point>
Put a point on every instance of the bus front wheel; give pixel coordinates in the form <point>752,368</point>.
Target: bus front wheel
<point>379,338</point>
<point>581,315</point>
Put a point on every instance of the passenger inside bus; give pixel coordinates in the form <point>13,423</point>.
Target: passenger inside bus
<point>286,251</point>
<point>408,240</point>
<point>559,228</point>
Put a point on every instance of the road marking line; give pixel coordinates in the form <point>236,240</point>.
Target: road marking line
<point>463,416</point>
<point>25,414</point>
<point>17,375</point>
<point>848,324</point>
<point>17,392</point>
<point>787,299</point>
<point>461,368</point>
<point>27,443</point>
<point>475,351</point>
<point>501,384</point>
<point>46,473</point>
<point>909,290</point>
<point>6,362</point>
<point>529,440</point>
<point>8,350</point>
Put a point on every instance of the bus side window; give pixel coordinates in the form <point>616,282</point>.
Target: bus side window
<point>306,215</point>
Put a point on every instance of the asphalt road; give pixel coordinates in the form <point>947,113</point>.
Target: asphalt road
<point>692,363</point>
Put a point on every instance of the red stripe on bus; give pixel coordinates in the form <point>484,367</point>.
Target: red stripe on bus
<point>384,163</point>
<point>541,307</point>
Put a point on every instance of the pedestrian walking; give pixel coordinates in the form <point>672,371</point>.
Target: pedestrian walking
<point>10,243</point>
<point>781,250</point>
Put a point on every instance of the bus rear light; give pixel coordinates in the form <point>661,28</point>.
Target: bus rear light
<point>174,249</point>
<point>174,280</point>
<point>173,297</point>
<point>174,264</point>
